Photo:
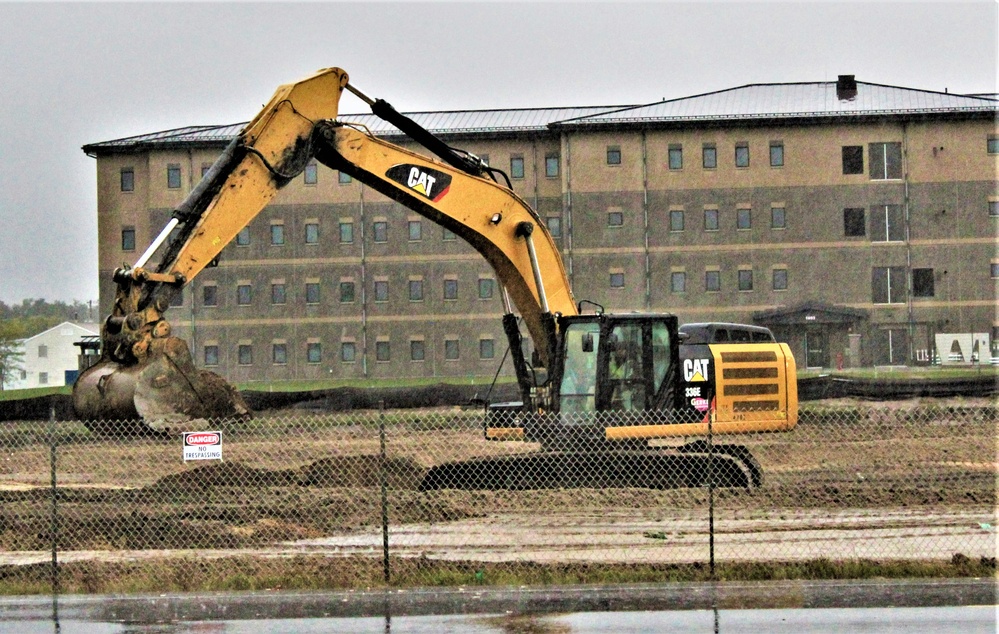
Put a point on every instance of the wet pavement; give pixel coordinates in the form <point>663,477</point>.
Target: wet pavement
<point>953,605</point>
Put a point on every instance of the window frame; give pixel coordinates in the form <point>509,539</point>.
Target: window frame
<point>615,218</point>
<point>381,291</point>
<point>379,231</point>
<point>854,222</point>
<point>517,167</point>
<point>779,279</point>
<point>311,346</point>
<point>277,234</point>
<point>616,279</point>
<point>709,156</point>
<point>674,151</point>
<point>882,160</point>
<point>678,282</point>
<point>126,179</point>
<point>743,219</point>
<point>486,288</point>
<point>676,220</point>
<point>853,159</point>
<point>775,212</point>
<point>310,175</point>
<point>210,295</point>
<point>415,230</point>
<point>614,156</point>
<point>348,291</point>
<point>348,229</point>
<point>128,239</point>
<point>174,176</point>
<point>923,282</point>
<point>415,288</point>
<point>312,233</point>
<point>313,293</point>
<point>745,280</point>
<point>742,162</point>
<point>552,158</point>
<point>777,157</point>
<point>210,355</point>
<point>279,294</point>
<point>712,213</point>
<point>712,275</point>
<point>244,294</point>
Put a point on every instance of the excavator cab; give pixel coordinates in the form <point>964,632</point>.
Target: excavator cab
<point>616,363</point>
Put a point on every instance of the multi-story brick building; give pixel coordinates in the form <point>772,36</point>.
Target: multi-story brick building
<point>856,220</point>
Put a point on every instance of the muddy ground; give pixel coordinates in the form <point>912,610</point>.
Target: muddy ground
<point>291,479</point>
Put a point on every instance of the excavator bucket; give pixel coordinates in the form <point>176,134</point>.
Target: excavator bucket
<point>162,393</point>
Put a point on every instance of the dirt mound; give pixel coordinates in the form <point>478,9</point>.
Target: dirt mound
<point>362,471</point>
<point>223,474</point>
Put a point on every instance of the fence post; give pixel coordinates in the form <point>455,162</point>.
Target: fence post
<point>383,481</point>
<point>54,526</point>
<point>711,493</point>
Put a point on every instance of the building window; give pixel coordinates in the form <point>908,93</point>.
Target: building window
<point>887,224</point>
<point>278,295</point>
<point>346,232</point>
<point>279,353</point>
<point>744,219</point>
<point>245,354</point>
<point>314,352</point>
<point>485,288</point>
<point>854,223</point>
<point>243,237</point>
<point>43,351</point>
<point>173,176</point>
<point>780,279</point>
<point>381,290</point>
<point>678,282</point>
<point>43,378</point>
<point>993,208</point>
<point>554,224</point>
<point>711,220</point>
<point>417,350</point>
<point>312,292</point>
<point>676,157</point>
<point>922,282</point>
<point>888,284</point>
<point>617,280</point>
<point>312,233</point>
<point>348,351</point>
<point>128,239</point>
<point>383,351</point>
<point>205,168</point>
<point>615,218</point>
<point>447,235</point>
<point>244,294</point>
<point>776,154</point>
<point>676,220</point>
<point>211,355</point>
<point>450,289</point>
<point>745,280</point>
<point>277,234</point>
<point>416,290</point>
<point>177,299</point>
<point>853,159</point>
<point>486,349</point>
<point>709,156</point>
<point>551,165</point>
<point>127,179</point>
<point>415,230</point>
<point>778,218</point>
<point>347,292</point>
<point>210,295</point>
<point>613,155</point>
<point>451,349</point>
<point>343,179</point>
<point>311,173</point>
<point>885,160</point>
<point>991,145</point>
<point>742,155</point>
<point>994,270</point>
<point>516,167</point>
<point>380,229</point>
<point>712,281</point>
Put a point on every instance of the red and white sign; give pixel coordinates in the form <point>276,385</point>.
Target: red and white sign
<point>202,445</point>
<point>701,404</point>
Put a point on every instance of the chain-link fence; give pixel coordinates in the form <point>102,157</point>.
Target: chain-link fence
<point>451,497</point>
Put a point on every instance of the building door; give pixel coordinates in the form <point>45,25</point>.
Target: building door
<point>816,348</point>
<point>891,347</point>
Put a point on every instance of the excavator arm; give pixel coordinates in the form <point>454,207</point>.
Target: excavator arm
<point>146,373</point>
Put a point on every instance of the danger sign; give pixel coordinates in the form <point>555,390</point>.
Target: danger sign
<point>202,445</point>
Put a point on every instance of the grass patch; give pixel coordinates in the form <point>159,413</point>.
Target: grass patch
<point>308,386</point>
<point>34,392</point>
<point>325,573</point>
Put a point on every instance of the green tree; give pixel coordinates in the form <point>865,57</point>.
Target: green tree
<point>11,351</point>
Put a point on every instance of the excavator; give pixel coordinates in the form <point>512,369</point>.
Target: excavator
<point>597,393</point>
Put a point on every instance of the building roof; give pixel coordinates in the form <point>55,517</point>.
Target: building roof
<point>81,329</point>
<point>795,101</point>
<point>752,102</point>
<point>441,123</point>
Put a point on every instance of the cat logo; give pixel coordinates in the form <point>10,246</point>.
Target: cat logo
<point>427,182</point>
<point>695,370</point>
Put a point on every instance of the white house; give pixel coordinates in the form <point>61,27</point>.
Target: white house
<point>50,358</point>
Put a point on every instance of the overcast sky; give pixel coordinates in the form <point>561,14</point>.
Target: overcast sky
<point>86,72</point>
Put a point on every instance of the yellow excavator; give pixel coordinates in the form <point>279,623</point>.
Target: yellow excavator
<point>599,386</point>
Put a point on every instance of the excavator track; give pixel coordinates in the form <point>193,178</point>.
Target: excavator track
<point>691,465</point>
